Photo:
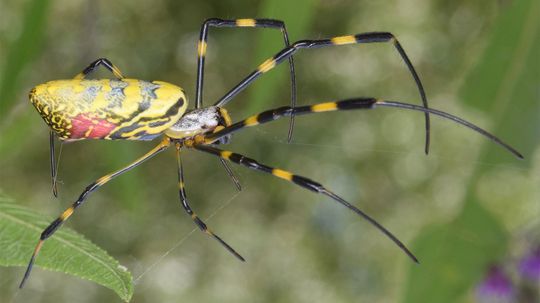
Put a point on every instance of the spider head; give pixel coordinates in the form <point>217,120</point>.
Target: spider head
<point>200,121</point>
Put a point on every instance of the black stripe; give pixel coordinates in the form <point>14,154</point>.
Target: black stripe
<point>126,129</point>
<point>373,37</point>
<point>274,114</point>
<point>200,223</point>
<point>239,159</point>
<point>51,229</point>
<point>307,183</point>
<point>158,123</point>
<point>356,103</point>
<point>265,116</point>
<point>174,109</point>
<point>302,110</point>
<point>269,23</point>
<point>236,158</point>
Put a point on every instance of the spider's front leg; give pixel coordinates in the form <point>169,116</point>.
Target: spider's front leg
<point>202,46</point>
<point>238,23</point>
<point>287,52</point>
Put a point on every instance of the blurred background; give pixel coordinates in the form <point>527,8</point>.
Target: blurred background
<point>465,208</point>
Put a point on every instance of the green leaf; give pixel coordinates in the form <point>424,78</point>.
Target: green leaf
<point>66,251</point>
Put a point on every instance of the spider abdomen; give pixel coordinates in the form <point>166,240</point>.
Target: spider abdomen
<point>110,109</point>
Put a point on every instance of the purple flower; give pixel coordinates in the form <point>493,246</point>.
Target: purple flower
<point>529,266</point>
<point>496,287</point>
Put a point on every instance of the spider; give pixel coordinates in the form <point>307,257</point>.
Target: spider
<point>131,109</point>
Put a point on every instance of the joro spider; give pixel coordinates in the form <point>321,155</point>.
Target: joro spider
<point>131,109</point>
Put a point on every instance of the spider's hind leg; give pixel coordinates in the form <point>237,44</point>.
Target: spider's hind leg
<point>53,163</point>
<point>57,223</point>
<point>185,204</point>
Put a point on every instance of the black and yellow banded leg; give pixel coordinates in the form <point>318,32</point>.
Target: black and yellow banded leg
<point>375,37</point>
<point>53,227</point>
<point>201,55</point>
<point>185,204</point>
<point>303,182</point>
<point>237,23</point>
<point>349,104</point>
<point>101,61</point>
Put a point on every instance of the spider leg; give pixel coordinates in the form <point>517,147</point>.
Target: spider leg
<point>349,104</point>
<point>53,164</point>
<point>237,23</point>
<point>101,61</point>
<point>303,182</point>
<point>201,54</point>
<point>185,204</point>
<point>51,229</point>
<point>231,174</point>
<point>374,37</point>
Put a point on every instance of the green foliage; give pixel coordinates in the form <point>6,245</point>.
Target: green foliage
<point>66,251</point>
<point>455,255</point>
<point>19,56</point>
<point>23,51</point>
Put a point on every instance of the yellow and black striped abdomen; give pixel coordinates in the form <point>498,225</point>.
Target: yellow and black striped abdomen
<point>126,109</point>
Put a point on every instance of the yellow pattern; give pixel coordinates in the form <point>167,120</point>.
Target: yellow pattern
<point>66,214</point>
<point>267,65</point>
<point>245,22</point>
<point>117,72</point>
<point>324,107</point>
<point>282,174</point>
<point>103,180</point>
<point>251,121</point>
<point>201,48</point>
<point>225,116</point>
<point>225,154</point>
<point>343,40</point>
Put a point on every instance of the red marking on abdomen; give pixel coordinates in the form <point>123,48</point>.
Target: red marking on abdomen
<point>84,126</point>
